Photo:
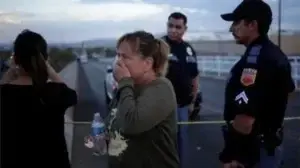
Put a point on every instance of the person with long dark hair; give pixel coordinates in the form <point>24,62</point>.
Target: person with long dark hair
<point>33,103</point>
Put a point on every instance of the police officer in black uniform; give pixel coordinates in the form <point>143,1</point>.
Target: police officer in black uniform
<point>257,91</point>
<point>183,73</point>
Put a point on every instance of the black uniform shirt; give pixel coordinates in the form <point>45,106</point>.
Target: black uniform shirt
<point>182,70</point>
<point>259,84</point>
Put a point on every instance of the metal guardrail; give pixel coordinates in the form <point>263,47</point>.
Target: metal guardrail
<point>219,66</point>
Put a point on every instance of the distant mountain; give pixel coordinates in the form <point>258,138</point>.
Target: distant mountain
<point>5,46</point>
<point>105,42</point>
<point>111,42</point>
<point>87,43</point>
<point>65,45</point>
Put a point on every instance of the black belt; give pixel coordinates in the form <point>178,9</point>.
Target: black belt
<point>180,105</point>
<point>277,133</point>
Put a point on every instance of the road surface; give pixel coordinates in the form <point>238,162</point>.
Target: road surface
<point>205,139</point>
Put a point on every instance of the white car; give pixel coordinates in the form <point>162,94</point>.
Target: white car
<point>83,59</point>
<point>110,85</point>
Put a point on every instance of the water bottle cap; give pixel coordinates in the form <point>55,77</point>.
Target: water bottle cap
<point>97,114</point>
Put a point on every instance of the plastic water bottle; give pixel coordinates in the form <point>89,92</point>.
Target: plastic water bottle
<point>98,126</point>
<point>98,132</point>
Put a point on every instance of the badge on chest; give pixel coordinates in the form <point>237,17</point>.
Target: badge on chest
<point>190,58</point>
<point>248,76</point>
<point>189,51</point>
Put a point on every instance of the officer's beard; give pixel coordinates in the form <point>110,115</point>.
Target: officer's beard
<point>241,36</point>
<point>237,39</point>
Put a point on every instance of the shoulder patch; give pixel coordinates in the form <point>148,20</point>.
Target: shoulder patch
<point>255,50</point>
<point>253,54</point>
<point>189,51</point>
<point>248,76</point>
<point>191,59</point>
<point>252,59</point>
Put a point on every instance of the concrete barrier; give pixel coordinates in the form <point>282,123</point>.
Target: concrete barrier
<point>69,74</point>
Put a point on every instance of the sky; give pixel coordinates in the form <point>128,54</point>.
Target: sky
<point>78,20</point>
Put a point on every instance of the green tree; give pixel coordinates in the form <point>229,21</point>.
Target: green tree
<point>59,58</point>
<point>110,52</point>
<point>5,54</point>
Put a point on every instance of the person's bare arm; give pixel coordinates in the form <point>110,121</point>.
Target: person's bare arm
<point>195,83</point>
<point>193,64</point>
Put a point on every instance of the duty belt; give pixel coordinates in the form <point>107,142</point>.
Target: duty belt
<point>278,133</point>
<point>271,140</point>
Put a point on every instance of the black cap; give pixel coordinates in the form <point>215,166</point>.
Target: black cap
<point>249,9</point>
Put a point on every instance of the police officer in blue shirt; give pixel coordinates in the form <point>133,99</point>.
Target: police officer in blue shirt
<point>184,75</point>
<point>256,93</point>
